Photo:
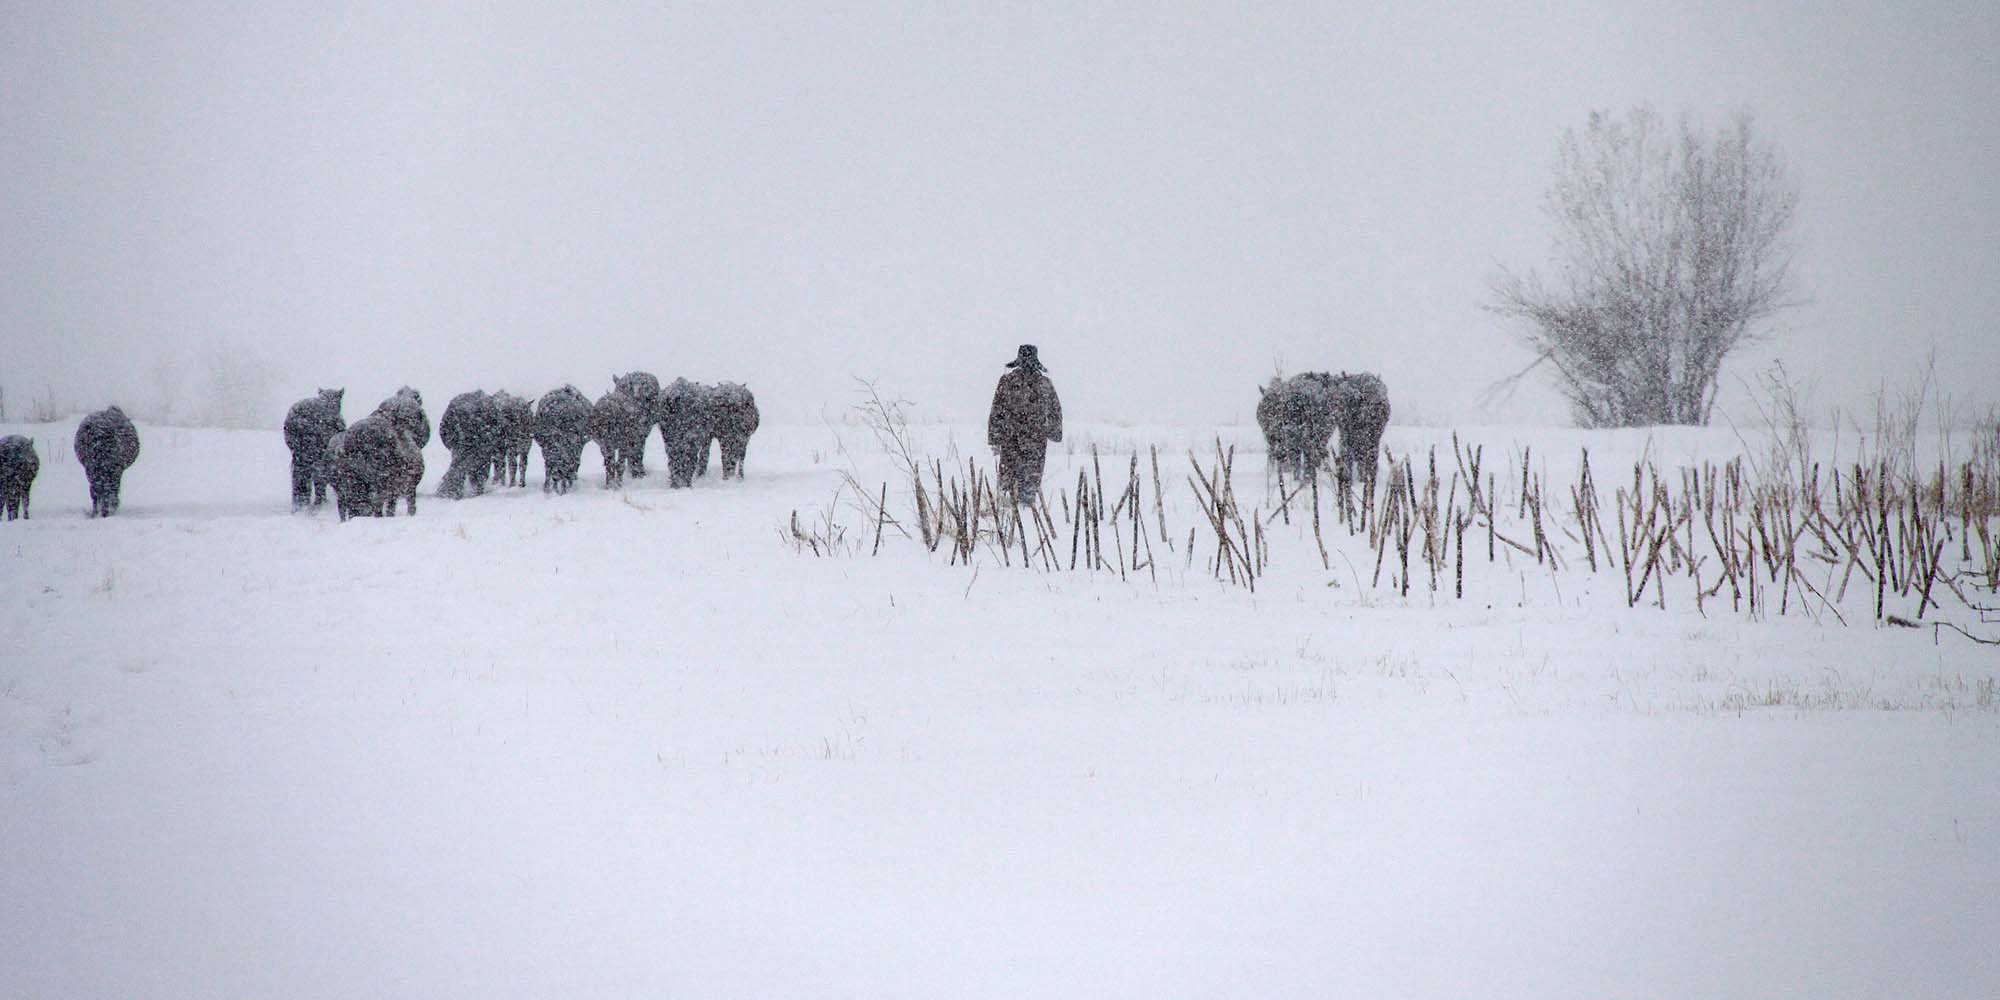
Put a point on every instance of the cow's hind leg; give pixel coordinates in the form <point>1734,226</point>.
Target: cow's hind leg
<point>302,480</point>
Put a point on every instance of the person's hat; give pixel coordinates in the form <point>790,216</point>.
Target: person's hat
<point>1026,358</point>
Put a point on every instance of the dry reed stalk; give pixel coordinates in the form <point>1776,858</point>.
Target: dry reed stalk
<point>1491,528</point>
<point>1118,540</point>
<point>1317,540</point>
<point>1138,529</point>
<point>1723,554</point>
<point>1021,536</point>
<point>1151,570</point>
<point>1521,506</point>
<point>881,515</point>
<point>1965,517</point>
<point>1625,551</point>
<point>1049,536</point>
<point>924,531</point>
<point>1579,506</point>
<point>1930,574</point>
<point>1882,553</point>
<point>1382,532</point>
<point>1748,567</point>
<point>1458,570</point>
<point>1228,553</point>
<point>1535,513</point>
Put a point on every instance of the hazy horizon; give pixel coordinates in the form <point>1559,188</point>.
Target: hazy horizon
<point>1169,202</point>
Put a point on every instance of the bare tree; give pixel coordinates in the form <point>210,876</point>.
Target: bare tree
<point>1673,244</point>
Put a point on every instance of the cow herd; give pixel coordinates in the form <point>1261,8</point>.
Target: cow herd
<point>379,460</point>
<point>1299,416</point>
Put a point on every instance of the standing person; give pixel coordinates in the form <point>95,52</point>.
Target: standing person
<point>1026,416</point>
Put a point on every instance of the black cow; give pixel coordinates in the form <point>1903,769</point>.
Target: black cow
<point>644,387</point>
<point>562,428</point>
<point>309,425</point>
<point>18,466</point>
<point>619,425</point>
<point>106,445</point>
<point>732,412</point>
<point>517,435</point>
<point>470,427</point>
<point>1360,413</point>
<point>369,467</point>
<point>683,416</point>
<point>1296,416</point>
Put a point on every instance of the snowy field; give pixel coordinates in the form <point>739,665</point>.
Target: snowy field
<point>632,743</point>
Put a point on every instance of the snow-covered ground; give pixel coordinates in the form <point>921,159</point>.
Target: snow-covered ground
<point>633,744</point>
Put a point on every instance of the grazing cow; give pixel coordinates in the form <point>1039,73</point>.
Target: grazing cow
<point>619,425</point>
<point>18,466</point>
<point>517,435</point>
<point>1026,416</point>
<point>562,428</point>
<point>1296,416</point>
<point>106,445</point>
<point>470,427</point>
<point>1360,412</point>
<point>683,416</point>
<point>405,409</point>
<point>644,387</point>
<point>369,467</point>
<point>732,414</point>
<point>309,425</point>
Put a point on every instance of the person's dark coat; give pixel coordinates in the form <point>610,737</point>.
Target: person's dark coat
<point>562,428</point>
<point>732,414</point>
<point>106,445</point>
<point>517,436</point>
<point>684,419</point>
<point>619,425</point>
<point>1026,415</point>
<point>644,387</point>
<point>1360,413</point>
<point>18,467</point>
<point>309,425</point>
<point>471,428</point>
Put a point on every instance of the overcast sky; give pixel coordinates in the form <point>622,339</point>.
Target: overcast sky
<point>1168,199</point>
